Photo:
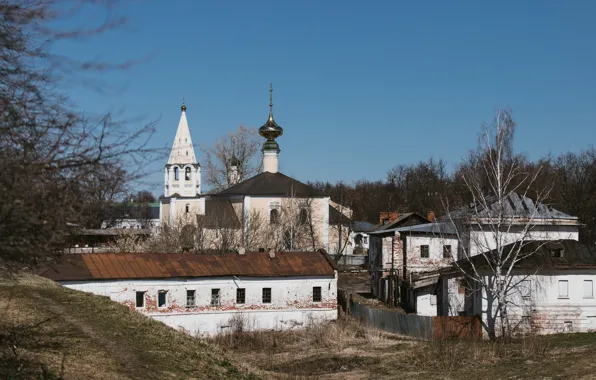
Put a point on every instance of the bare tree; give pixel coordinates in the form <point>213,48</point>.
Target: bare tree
<point>52,157</point>
<point>232,159</point>
<point>492,176</point>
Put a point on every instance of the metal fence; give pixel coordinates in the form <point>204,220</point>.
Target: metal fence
<point>416,326</point>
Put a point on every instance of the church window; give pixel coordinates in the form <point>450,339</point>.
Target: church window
<point>187,209</point>
<point>187,173</point>
<point>187,152</point>
<point>185,140</point>
<point>176,174</point>
<point>274,216</point>
<point>303,217</point>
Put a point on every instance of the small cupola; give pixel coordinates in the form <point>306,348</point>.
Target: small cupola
<point>270,130</point>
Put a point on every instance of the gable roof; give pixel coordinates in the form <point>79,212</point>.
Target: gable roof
<point>515,206</point>
<point>439,229</point>
<point>113,266</point>
<point>405,219</point>
<point>575,255</point>
<point>273,184</point>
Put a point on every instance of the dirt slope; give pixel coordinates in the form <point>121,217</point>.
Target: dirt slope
<point>51,332</point>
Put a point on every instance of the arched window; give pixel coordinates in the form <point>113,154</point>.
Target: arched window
<point>176,174</point>
<point>187,209</point>
<point>303,216</point>
<point>274,216</point>
<point>187,174</point>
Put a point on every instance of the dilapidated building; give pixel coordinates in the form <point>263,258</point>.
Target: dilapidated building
<point>209,294</point>
<point>552,289</point>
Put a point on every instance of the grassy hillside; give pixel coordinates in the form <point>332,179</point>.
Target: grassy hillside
<point>51,332</point>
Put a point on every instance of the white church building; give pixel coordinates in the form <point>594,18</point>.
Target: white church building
<point>262,204</point>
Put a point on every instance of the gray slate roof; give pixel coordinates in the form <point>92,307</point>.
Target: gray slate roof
<point>427,228</point>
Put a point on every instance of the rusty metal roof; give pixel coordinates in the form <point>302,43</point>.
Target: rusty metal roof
<point>112,266</point>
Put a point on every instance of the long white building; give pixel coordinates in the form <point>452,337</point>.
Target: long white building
<point>209,294</point>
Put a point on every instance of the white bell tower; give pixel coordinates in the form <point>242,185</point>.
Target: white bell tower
<point>182,173</point>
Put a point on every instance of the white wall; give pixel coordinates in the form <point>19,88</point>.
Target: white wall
<point>539,309</point>
<point>426,303</point>
<point>416,263</point>
<point>291,305</point>
<point>482,241</point>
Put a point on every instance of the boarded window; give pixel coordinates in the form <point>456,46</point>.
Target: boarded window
<point>563,289</point>
<point>214,297</point>
<point>447,252</point>
<point>588,289</point>
<point>162,297</point>
<point>266,295</point>
<point>191,298</point>
<point>240,295</point>
<point>316,294</point>
<point>424,252</point>
<point>140,299</point>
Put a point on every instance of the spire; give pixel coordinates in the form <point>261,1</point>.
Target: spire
<point>182,149</point>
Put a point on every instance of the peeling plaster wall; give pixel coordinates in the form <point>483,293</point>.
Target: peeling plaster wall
<point>538,309</point>
<point>291,301</point>
<point>435,246</point>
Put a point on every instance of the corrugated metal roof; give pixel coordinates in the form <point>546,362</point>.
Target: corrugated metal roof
<point>112,266</point>
<point>515,206</point>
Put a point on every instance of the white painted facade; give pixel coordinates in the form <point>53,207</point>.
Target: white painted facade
<point>416,260</point>
<point>483,239</point>
<point>291,306</point>
<point>550,302</point>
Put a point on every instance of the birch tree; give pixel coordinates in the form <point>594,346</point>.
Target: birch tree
<point>491,175</point>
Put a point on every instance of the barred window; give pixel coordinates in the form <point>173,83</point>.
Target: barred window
<point>316,294</point>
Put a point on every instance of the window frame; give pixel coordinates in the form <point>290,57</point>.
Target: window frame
<point>559,283</point>
<point>143,293</point>
<point>165,299</point>
<point>315,290</point>
<point>423,248</point>
<point>240,295</point>
<point>187,208</point>
<point>525,285</point>
<point>176,174</point>
<point>591,296</point>
<point>193,297</point>
<point>217,293</point>
<point>266,296</point>
<point>187,171</point>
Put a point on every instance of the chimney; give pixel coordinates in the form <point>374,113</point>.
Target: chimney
<point>241,251</point>
<point>271,254</point>
<point>431,216</point>
<point>388,217</point>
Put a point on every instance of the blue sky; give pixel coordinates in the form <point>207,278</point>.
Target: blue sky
<point>358,86</point>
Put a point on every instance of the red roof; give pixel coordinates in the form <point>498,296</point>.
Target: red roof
<point>112,266</point>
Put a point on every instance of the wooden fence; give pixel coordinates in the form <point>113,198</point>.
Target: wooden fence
<point>416,326</point>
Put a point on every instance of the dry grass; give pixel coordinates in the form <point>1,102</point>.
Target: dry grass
<point>348,350</point>
<point>51,332</point>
